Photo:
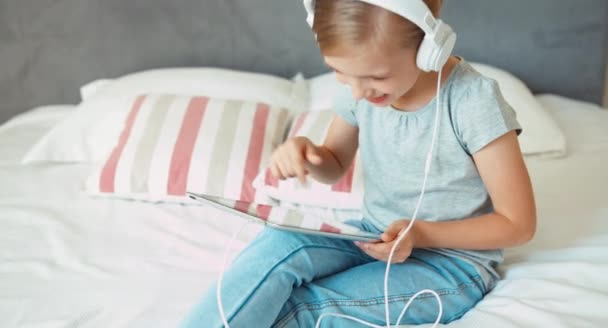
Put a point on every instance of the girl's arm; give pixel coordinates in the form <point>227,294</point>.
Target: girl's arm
<point>337,152</point>
<point>513,222</point>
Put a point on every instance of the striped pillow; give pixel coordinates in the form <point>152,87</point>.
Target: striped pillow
<point>170,144</point>
<point>347,193</point>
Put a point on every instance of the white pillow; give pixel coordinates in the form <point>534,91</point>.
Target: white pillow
<point>92,88</point>
<point>90,132</point>
<point>214,82</point>
<point>323,88</point>
<point>541,135</point>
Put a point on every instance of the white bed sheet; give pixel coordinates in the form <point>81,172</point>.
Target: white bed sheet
<point>67,260</point>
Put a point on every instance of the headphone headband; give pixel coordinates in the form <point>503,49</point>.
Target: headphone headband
<point>439,39</point>
<point>415,11</point>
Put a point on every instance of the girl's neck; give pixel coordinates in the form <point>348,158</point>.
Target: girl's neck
<point>425,88</point>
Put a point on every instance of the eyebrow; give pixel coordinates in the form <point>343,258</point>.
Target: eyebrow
<point>382,76</point>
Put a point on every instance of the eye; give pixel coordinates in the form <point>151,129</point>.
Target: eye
<point>380,78</point>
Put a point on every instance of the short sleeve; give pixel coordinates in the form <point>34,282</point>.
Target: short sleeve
<point>482,115</point>
<point>345,106</point>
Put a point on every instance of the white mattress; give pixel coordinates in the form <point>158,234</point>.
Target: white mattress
<point>67,260</point>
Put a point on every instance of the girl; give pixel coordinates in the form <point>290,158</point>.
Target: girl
<point>478,197</point>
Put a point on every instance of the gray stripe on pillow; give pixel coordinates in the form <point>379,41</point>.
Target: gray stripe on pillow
<point>293,218</point>
<point>224,143</point>
<point>280,131</point>
<point>148,142</point>
<point>316,132</point>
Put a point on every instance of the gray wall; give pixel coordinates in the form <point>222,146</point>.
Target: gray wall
<point>48,48</point>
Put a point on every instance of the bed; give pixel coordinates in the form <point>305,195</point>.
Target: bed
<point>69,259</point>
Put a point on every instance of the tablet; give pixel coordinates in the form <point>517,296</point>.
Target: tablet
<point>292,220</point>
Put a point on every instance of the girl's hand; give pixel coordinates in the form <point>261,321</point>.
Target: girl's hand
<point>381,250</point>
<point>291,158</point>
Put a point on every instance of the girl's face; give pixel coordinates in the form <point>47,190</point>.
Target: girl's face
<point>381,76</point>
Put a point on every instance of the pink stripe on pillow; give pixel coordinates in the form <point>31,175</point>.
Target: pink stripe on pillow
<point>329,228</point>
<point>263,211</point>
<point>254,154</point>
<point>184,146</point>
<point>108,173</point>
<point>298,125</point>
<point>346,183</point>
<point>242,206</point>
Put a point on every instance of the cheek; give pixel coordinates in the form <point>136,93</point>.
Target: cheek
<point>390,87</point>
<point>341,78</point>
<point>408,83</point>
<point>405,83</point>
<point>411,76</point>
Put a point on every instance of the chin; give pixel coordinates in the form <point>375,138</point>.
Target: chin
<point>389,101</point>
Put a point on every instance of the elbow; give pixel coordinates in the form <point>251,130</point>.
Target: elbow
<point>528,235</point>
<point>527,231</point>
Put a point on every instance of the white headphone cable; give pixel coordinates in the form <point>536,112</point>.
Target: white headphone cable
<point>427,168</point>
<point>221,277</point>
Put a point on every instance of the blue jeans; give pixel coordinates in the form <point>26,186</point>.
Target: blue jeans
<point>285,279</point>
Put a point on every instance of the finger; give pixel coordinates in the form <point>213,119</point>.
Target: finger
<point>288,161</point>
<point>370,253</point>
<point>274,170</point>
<point>275,166</point>
<point>392,231</point>
<point>396,226</point>
<point>297,163</point>
<point>386,248</point>
<point>283,169</point>
<point>280,176</point>
<point>375,250</point>
<point>289,171</point>
<point>387,237</point>
<point>381,248</point>
<point>301,173</point>
<point>382,251</point>
<point>399,257</point>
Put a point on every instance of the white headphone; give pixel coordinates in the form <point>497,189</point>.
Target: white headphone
<point>439,38</point>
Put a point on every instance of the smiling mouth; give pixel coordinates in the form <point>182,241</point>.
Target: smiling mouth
<point>378,100</point>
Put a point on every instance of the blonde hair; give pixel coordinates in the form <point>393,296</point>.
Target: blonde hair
<point>342,24</point>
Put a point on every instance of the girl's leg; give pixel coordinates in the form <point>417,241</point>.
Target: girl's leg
<point>263,276</point>
<point>359,292</point>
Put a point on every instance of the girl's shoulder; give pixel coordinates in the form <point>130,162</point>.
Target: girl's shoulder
<point>478,112</point>
<point>467,84</point>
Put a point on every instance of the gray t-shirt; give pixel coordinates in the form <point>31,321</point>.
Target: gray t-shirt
<point>393,146</point>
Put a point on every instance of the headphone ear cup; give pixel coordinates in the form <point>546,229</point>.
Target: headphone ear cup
<point>443,53</point>
<point>424,58</point>
<point>435,50</point>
